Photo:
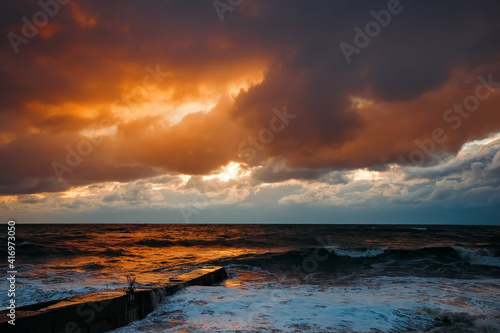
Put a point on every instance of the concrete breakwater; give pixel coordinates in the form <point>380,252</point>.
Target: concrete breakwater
<point>104,310</point>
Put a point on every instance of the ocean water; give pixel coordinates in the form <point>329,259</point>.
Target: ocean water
<point>282,278</point>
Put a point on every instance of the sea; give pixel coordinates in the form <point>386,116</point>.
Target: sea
<point>282,278</point>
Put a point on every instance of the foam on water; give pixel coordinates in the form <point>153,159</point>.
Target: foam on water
<point>477,257</point>
<point>370,305</point>
<point>362,285</point>
<point>356,253</point>
<point>49,289</point>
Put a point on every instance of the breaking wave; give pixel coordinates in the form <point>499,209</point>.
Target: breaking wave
<point>356,253</point>
<point>478,256</point>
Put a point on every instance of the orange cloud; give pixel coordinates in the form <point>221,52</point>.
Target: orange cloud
<point>155,73</point>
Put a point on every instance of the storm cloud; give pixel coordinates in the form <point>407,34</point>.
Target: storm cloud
<point>123,91</point>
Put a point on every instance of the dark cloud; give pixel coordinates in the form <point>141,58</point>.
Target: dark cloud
<point>31,200</point>
<point>275,173</point>
<point>480,160</point>
<point>66,79</point>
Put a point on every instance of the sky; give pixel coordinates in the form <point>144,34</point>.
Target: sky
<point>277,111</point>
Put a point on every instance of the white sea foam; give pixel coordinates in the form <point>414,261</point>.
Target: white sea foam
<point>375,304</point>
<point>477,257</point>
<point>356,253</point>
<point>419,229</point>
<point>38,291</point>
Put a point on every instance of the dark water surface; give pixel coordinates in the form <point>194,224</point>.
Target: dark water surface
<point>317,278</point>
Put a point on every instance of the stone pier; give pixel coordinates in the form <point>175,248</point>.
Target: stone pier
<point>104,310</point>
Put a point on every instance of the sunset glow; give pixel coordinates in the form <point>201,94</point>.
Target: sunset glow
<point>106,111</point>
<point>250,166</point>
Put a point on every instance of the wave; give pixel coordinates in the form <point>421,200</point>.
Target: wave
<point>220,242</point>
<point>480,257</point>
<point>113,252</point>
<point>92,267</point>
<point>443,261</point>
<point>449,321</point>
<point>356,253</point>
<point>155,243</point>
<point>32,250</point>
